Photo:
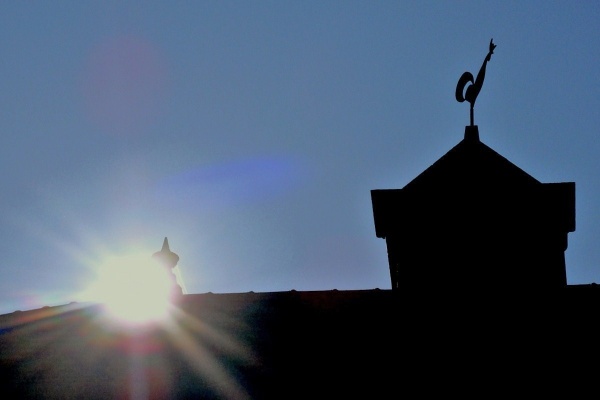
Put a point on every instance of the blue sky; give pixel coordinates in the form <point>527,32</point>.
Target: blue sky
<point>250,133</point>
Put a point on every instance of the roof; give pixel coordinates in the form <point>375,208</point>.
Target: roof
<point>322,344</point>
<point>218,346</point>
<point>472,180</point>
<point>471,162</point>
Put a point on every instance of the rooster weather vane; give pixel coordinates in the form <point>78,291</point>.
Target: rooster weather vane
<point>473,89</point>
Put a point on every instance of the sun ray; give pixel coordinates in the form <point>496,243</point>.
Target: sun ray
<point>200,358</point>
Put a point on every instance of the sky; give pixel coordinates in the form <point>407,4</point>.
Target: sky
<point>250,133</point>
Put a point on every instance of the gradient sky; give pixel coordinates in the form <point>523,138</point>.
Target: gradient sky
<point>250,133</point>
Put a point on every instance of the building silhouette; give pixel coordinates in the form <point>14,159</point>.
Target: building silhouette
<point>479,305</point>
<point>471,221</point>
<point>475,220</point>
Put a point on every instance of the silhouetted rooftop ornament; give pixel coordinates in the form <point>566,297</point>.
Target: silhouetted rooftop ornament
<point>166,255</point>
<point>169,260</point>
<point>475,87</point>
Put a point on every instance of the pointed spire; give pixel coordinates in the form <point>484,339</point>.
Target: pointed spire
<point>166,256</point>
<point>169,260</point>
<point>165,246</point>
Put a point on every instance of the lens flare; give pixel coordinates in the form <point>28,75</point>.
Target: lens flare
<point>133,288</point>
<point>230,184</point>
<point>124,84</point>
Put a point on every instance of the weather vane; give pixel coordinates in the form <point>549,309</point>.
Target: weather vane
<point>475,86</point>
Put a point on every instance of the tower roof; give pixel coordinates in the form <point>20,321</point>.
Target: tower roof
<point>471,163</point>
<point>469,181</point>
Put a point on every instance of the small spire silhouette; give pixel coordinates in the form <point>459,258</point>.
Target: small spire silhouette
<point>165,246</point>
<point>169,260</point>
<point>165,253</point>
<point>166,256</point>
<point>473,90</point>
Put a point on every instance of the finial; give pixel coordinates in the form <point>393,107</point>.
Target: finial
<point>473,90</point>
<point>165,255</point>
<point>169,260</point>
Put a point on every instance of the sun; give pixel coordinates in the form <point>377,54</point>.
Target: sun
<point>133,288</point>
